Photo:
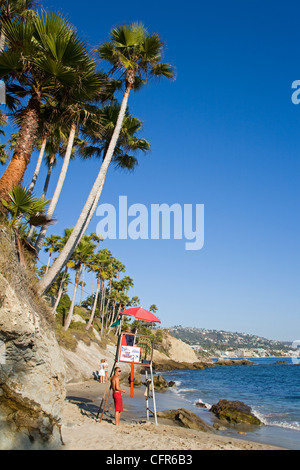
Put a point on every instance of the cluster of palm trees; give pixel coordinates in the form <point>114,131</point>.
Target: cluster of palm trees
<point>64,104</point>
<point>110,295</point>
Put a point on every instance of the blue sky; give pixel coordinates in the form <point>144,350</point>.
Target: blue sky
<point>224,134</point>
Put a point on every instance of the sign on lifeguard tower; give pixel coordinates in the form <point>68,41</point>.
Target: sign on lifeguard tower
<point>130,354</point>
<point>136,349</point>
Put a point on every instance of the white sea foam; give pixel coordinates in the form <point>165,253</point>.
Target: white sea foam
<point>184,390</point>
<point>270,421</point>
<point>201,402</point>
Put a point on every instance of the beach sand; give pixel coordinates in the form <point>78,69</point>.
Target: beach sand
<point>82,431</point>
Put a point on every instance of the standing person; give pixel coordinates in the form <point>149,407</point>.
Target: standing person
<point>105,364</point>
<point>101,372</point>
<point>117,394</point>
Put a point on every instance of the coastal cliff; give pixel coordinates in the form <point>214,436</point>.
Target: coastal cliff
<point>32,367</point>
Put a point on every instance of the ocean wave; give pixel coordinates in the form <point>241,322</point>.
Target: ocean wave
<point>271,421</point>
<point>185,390</point>
<point>295,426</point>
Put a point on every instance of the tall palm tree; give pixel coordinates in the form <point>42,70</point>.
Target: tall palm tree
<point>43,57</point>
<point>65,278</point>
<point>83,252</point>
<point>100,261</point>
<point>136,55</point>
<point>153,308</point>
<point>52,245</point>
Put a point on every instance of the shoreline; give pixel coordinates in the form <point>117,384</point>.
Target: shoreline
<point>82,431</point>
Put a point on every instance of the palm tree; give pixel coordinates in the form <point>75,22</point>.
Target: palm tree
<point>52,245</point>
<point>153,308</point>
<point>100,261</point>
<point>83,252</point>
<point>50,128</point>
<point>65,279</point>
<point>123,287</point>
<point>77,114</point>
<point>136,54</point>
<point>135,301</point>
<point>10,9</point>
<point>21,205</point>
<point>44,59</point>
<point>96,143</point>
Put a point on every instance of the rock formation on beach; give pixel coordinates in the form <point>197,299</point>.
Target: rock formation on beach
<point>177,355</point>
<point>234,412</point>
<point>186,418</point>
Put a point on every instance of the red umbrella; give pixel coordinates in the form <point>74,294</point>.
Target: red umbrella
<point>141,314</point>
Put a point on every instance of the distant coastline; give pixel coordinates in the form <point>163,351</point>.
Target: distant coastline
<point>220,343</point>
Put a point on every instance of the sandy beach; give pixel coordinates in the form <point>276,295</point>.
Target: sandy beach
<point>82,431</point>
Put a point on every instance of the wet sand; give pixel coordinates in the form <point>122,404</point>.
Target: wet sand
<point>81,430</point>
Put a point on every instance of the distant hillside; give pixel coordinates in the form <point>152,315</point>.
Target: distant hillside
<point>212,340</point>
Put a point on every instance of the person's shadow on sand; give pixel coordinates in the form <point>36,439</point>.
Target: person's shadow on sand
<point>89,408</point>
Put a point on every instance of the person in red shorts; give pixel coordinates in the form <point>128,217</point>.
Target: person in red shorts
<point>117,394</point>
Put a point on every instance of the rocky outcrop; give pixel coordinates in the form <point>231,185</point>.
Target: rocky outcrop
<point>186,418</point>
<point>32,372</point>
<point>177,355</point>
<point>233,362</point>
<point>169,364</point>
<point>280,363</point>
<point>234,412</point>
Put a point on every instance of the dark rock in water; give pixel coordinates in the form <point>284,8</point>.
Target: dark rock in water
<point>232,362</point>
<point>159,382</point>
<point>200,404</point>
<point>280,363</point>
<point>234,412</point>
<point>171,384</point>
<point>186,418</point>
<point>174,365</point>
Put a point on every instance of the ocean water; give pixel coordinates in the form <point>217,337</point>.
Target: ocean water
<point>272,391</point>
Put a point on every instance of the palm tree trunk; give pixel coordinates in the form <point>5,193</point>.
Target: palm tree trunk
<point>60,291</point>
<point>82,282</point>
<point>47,180</point>
<point>88,208</point>
<point>14,173</point>
<point>38,165</point>
<point>2,40</point>
<point>49,259</point>
<point>70,314</point>
<point>94,306</point>
<point>112,313</point>
<point>93,280</point>
<point>59,185</point>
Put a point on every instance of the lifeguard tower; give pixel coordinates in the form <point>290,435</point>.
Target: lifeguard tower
<point>135,349</point>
